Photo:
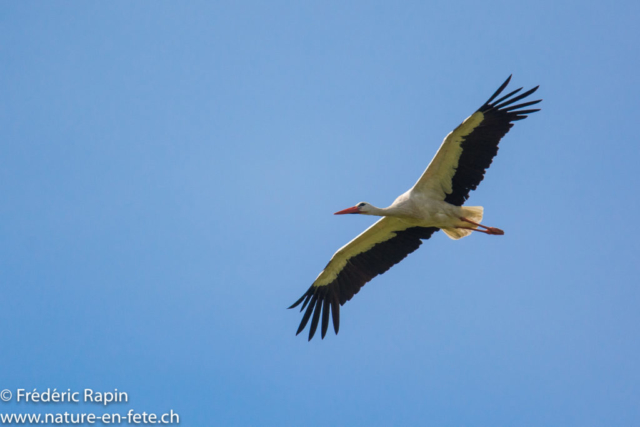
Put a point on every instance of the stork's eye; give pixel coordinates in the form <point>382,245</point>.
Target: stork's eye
<point>361,205</point>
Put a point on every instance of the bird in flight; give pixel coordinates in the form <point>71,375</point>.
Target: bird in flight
<point>433,203</point>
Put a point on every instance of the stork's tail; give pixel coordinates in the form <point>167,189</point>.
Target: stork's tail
<point>474,213</point>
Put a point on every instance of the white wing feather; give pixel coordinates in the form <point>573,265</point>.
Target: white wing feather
<point>436,181</point>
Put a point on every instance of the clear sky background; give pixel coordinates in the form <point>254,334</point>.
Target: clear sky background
<point>168,175</point>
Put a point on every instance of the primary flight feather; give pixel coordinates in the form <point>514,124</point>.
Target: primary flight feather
<point>433,203</point>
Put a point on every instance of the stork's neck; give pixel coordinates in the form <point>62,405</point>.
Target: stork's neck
<point>399,211</point>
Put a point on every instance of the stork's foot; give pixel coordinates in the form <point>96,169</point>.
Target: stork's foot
<point>495,231</point>
<point>484,229</point>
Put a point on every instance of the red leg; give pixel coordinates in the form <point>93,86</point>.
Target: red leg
<point>489,230</point>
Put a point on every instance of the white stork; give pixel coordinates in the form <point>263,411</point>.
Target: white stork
<point>433,203</point>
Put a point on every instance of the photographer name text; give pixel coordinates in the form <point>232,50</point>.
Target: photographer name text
<point>87,396</point>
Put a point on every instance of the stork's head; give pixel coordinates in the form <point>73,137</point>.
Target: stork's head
<point>361,208</point>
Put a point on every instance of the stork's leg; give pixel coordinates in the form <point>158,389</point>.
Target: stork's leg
<point>487,230</point>
<point>491,230</point>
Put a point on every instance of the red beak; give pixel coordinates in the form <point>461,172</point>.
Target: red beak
<point>353,210</point>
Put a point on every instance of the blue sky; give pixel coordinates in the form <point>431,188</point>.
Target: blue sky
<point>170,170</point>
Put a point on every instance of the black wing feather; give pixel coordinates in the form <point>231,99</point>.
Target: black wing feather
<point>307,314</point>
<point>498,101</point>
<point>325,315</point>
<point>335,312</point>
<point>481,146</point>
<point>359,270</point>
<point>316,318</point>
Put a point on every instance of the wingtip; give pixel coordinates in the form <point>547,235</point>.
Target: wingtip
<point>301,327</point>
<point>500,89</point>
<point>512,101</point>
<point>297,303</point>
<point>312,333</point>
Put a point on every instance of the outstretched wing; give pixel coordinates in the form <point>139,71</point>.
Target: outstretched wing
<point>466,153</point>
<point>377,249</point>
